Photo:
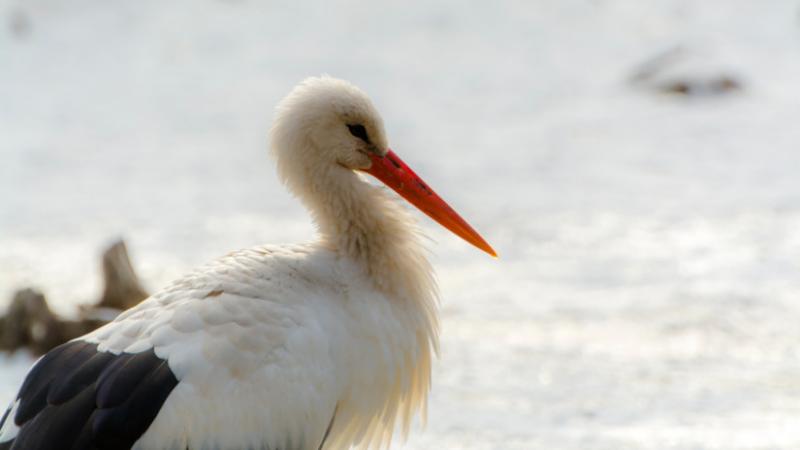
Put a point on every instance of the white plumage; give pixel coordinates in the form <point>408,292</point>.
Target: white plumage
<point>297,347</point>
<point>268,343</point>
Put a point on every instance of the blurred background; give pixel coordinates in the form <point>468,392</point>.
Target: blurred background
<point>635,164</point>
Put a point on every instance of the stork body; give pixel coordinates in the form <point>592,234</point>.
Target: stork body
<point>304,347</point>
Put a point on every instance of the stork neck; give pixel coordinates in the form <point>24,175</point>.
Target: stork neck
<point>364,223</point>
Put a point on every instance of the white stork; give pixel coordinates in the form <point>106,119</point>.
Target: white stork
<point>325,345</point>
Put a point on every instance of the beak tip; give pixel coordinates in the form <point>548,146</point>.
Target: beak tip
<point>483,245</point>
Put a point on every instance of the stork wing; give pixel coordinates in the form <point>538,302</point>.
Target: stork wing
<point>202,363</point>
<point>79,397</point>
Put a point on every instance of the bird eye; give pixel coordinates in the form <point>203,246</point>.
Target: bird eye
<point>359,131</point>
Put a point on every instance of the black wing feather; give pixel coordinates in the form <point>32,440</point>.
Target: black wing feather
<point>132,371</point>
<point>56,426</point>
<point>33,393</point>
<point>70,385</point>
<point>78,397</point>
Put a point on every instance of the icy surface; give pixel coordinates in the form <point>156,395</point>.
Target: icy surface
<point>647,291</point>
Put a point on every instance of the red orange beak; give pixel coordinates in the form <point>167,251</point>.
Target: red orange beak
<point>393,172</point>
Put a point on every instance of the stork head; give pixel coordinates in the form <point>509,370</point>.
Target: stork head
<point>327,123</point>
<point>333,120</point>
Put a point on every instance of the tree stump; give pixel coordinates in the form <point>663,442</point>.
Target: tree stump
<point>30,323</point>
<point>121,285</point>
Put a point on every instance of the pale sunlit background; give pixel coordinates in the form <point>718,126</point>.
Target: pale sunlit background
<point>635,163</point>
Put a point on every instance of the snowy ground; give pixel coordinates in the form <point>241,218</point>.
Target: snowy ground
<point>648,291</point>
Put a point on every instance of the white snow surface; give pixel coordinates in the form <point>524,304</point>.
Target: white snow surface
<point>646,296</point>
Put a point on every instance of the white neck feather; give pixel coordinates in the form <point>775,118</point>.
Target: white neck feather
<point>358,220</point>
<point>364,223</point>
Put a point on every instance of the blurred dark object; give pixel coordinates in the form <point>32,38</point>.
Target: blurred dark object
<point>19,23</point>
<point>121,285</point>
<point>679,72</point>
<point>29,322</point>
